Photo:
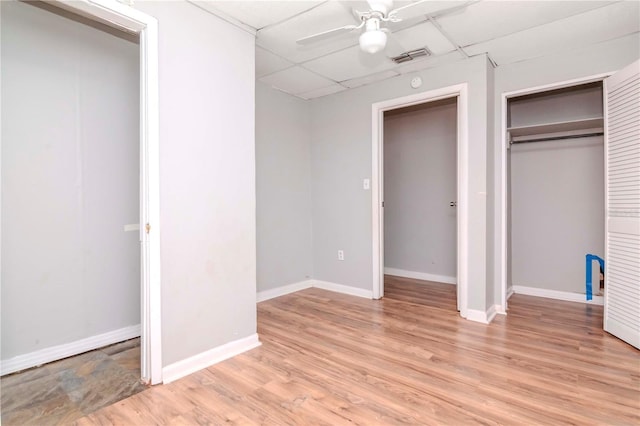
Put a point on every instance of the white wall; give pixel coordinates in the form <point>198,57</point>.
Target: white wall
<point>207,180</point>
<point>70,164</point>
<point>419,183</point>
<point>602,58</point>
<point>341,158</point>
<point>557,202</point>
<point>283,189</point>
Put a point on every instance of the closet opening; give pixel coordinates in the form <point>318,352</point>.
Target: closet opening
<point>555,202</point>
<point>54,141</point>
<point>72,261</point>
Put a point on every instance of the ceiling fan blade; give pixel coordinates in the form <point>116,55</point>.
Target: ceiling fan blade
<point>425,7</point>
<point>328,34</point>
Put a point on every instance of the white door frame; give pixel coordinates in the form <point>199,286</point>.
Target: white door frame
<point>131,20</point>
<point>377,219</point>
<point>504,244</point>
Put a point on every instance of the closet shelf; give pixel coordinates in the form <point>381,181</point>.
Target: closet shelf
<point>559,130</point>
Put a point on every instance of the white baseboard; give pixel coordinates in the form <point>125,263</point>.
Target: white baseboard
<point>208,358</point>
<point>345,289</point>
<point>477,316</point>
<point>281,291</point>
<point>558,295</point>
<point>421,276</point>
<point>509,292</point>
<point>302,285</point>
<point>500,310</point>
<point>54,353</point>
<point>484,317</point>
<point>491,313</point>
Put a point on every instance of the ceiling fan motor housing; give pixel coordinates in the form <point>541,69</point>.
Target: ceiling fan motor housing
<point>382,6</point>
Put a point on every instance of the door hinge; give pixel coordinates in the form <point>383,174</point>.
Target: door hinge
<point>147,227</point>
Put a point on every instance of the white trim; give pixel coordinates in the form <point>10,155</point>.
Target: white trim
<point>491,313</point>
<point>483,317</point>
<point>509,292</point>
<point>54,353</point>
<point>421,276</point>
<point>344,289</point>
<point>303,285</point>
<point>504,148</point>
<point>478,316</point>
<point>208,358</point>
<point>377,214</point>
<point>557,295</point>
<point>125,17</point>
<point>283,290</point>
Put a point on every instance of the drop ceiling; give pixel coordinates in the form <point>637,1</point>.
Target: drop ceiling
<point>507,31</point>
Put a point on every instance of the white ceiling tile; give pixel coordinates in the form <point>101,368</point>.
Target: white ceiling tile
<point>357,82</point>
<point>296,80</point>
<point>259,14</point>
<point>487,20</point>
<point>281,38</point>
<point>565,34</point>
<point>350,63</point>
<point>419,36</point>
<point>268,63</point>
<point>508,30</point>
<point>429,62</point>
<point>324,91</point>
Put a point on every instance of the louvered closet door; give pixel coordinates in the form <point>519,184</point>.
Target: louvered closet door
<point>622,151</point>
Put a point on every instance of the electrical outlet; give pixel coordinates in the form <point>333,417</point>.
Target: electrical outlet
<point>366,184</point>
<point>340,254</point>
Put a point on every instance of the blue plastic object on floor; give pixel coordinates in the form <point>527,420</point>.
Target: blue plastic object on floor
<point>590,259</point>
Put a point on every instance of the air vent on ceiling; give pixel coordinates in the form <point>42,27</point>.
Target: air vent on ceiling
<point>411,55</point>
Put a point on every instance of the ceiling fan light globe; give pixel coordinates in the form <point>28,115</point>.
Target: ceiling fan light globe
<point>373,41</point>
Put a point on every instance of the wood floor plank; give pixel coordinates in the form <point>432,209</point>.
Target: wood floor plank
<point>333,359</point>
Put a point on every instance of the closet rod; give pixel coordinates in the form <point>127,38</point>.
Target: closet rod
<point>555,138</point>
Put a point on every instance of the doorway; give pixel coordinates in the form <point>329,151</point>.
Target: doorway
<point>458,94</point>
<point>133,22</point>
<point>420,218</point>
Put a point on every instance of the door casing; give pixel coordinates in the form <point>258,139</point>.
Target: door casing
<point>377,213</point>
<point>131,20</point>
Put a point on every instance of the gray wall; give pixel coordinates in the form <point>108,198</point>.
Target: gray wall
<point>341,158</point>
<point>207,180</point>
<point>419,183</point>
<point>605,57</point>
<point>283,189</point>
<point>557,202</point>
<point>491,117</point>
<point>70,161</point>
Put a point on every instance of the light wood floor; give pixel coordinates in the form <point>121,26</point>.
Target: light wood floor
<point>334,359</point>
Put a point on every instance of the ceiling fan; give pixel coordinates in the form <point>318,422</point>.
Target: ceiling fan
<point>374,37</point>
